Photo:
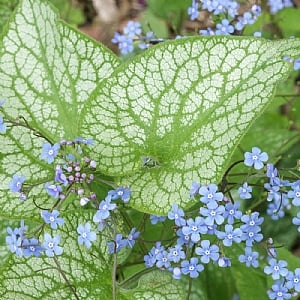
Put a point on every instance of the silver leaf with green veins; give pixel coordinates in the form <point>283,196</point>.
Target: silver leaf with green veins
<point>185,105</point>
<point>48,71</point>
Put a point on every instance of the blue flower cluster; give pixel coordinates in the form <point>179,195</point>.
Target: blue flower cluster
<point>228,11</point>
<point>220,224</point>
<point>120,242</point>
<point>216,219</point>
<point>21,245</point>
<point>132,33</point>
<point>286,282</point>
<point>282,194</point>
<point>72,174</point>
<point>277,5</point>
<point>103,215</point>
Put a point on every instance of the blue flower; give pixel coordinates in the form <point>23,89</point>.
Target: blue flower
<point>224,262</point>
<point>251,221</point>
<point>209,5</point>
<point>176,253</point>
<point>295,193</point>
<point>275,210</point>
<point>256,158</point>
<point>176,272</point>
<point>14,241</point>
<point>162,260</point>
<point>53,190</point>
<point>82,140</point>
<point>49,152</point>
<point>277,5</point>
<point>230,235</point>
<point>276,268</point>
<point>219,6</point>
<point>251,235</point>
<point>120,193</point>
<point>132,236</point>
<point>245,191</point>
<point>225,28</point>
<point>296,221</point>
<point>117,244</point>
<point>104,210</point>
<point>207,32</point>
<point>86,236</point>
<point>279,291</point>
<point>16,184</point>
<point>297,64</point>
<point>155,219</point>
<point>132,29</point>
<point>213,213</point>
<point>246,19</point>
<point>257,34</point>
<point>207,252</point>
<point>192,267</point>
<point>177,215</point>
<point>249,258</point>
<point>272,173</point>
<point>273,192</point>
<point>193,11</point>
<point>256,10</point>
<point>125,44</point>
<point>293,280</point>
<point>194,228</point>
<point>2,125</point>
<point>184,239</point>
<point>232,212</point>
<point>194,189</point>
<point>210,194</point>
<point>32,247</point>
<point>60,176</point>
<point>52,218</point>
<point>117,38</point>
<point>51,245</point>
<point>232,8</point>
<point>151,257</point>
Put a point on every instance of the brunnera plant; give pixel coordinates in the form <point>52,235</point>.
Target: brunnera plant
<point>90,146</point>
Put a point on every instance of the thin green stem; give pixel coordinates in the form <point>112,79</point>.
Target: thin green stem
<point>189,289</point>
<point>131,225</point>
<point>114,269</point>
<point>70,286</point>
<point>113,275</point>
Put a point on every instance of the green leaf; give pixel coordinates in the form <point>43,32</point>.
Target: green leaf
<point>69,11</point>
<point>288,20</point>
<point>151,22</point>
<point>251,283</point>
<point>157,285</point>
<point>183,107</point>
<point>48,71</point>
<point>172,11</point>
<point>6,9</point>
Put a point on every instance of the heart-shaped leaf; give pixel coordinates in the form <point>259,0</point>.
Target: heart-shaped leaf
<point>48,71</point>
<point>176,113</point>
